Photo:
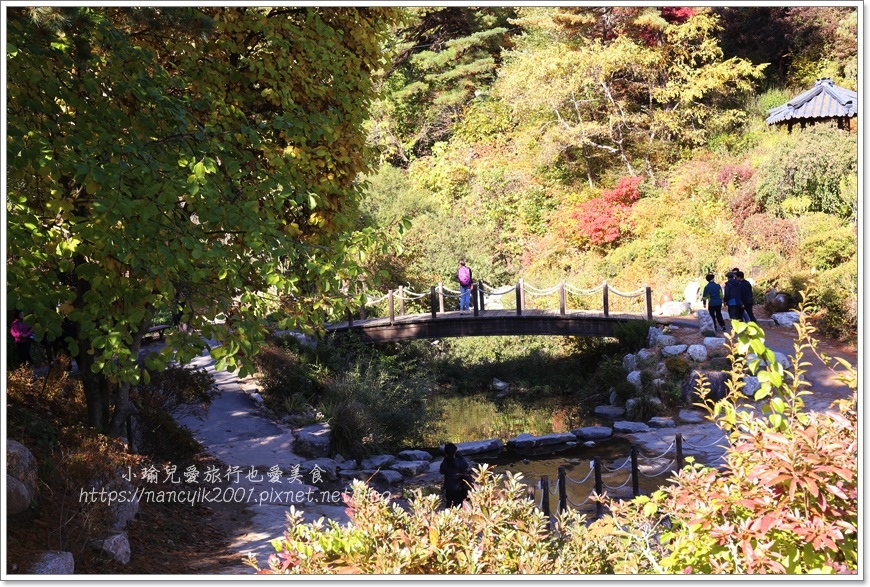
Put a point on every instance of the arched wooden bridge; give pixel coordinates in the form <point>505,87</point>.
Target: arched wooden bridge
<point>488,318</point>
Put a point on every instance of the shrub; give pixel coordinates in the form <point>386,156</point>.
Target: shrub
<point>605,219</point>
<point>679,367</point>
<point>764,231</point>
<point>281,374</point>
<point>632,334</point>
<point>787,504</point>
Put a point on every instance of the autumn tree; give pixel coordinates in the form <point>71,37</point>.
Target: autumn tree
<point>595,99</point>
<point>201,162</point>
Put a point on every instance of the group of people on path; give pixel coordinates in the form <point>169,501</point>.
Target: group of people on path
<point>736,295</point>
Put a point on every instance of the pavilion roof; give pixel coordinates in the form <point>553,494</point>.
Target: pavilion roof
<point>824,100</point>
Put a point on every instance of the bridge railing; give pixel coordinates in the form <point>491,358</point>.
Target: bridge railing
<point>570,298</point>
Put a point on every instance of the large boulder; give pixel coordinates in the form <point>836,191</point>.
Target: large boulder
<point>313,441</point>
<point>665,340</point>
<point>786,318</point>
<point>653,335</point>
<point>775,302</point>
<point>378,462</point>
<point>389,476</point>
<point>714,343</point>
<point>661,422</point>
<point>750,386</point>
<point>630,427</point>
<point>117,547</point>
<point>410,468</point>
<point>21,464</point>
<point>18,497</point>
<point>473,447</point>
<point>705,320</point>
<point>676,309</point>
<point>611,412</point>
<point>717,382</point>
<point>674,349</point>
<point>593,433</point>
<point>414,455</point>
<point>645,355</point>
<point>317,470</point>
<point>698,352</point>
<point>635,379</point>
<point>629,363</point>
<point>692,291</point>
<point>53,562</point>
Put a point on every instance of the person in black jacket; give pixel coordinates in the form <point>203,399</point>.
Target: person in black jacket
<point>733,297</point>
<point>745,298</point>
<point>713,296</point>
<point>457,475</point>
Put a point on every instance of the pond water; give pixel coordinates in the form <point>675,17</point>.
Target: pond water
<point>479,418</point>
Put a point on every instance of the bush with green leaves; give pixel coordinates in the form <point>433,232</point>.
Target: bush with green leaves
<point>811,163</point>
<point>632,334</point>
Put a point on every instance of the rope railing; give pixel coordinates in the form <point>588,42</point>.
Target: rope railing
<point>598,468</point>
<point>482,290</point>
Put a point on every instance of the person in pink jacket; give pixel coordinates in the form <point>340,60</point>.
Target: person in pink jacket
<point>22,334</point>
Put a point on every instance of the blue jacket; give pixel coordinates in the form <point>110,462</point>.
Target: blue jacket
<point>713,293</point>
<point>733,293</point>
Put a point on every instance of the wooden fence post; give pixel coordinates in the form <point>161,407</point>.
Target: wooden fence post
<point>480,292</point>
<point>474,303</point>
<point>562,298</point>
<point>563,490</point>
<point>635,480</point>
<point>349,319</point>
<point>362,311</point>
<point>599,486</point>
<point>545,499</point>
<point>606,303</point>
<point>432,301</point>
<point>648,290</point>
<point>392,304</point>
<point>440,297</point>
<point>401,300</point>
<point>679,440</point>
<point>519,287</point>
<point>523,293</point>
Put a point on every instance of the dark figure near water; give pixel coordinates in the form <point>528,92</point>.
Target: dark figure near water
<point>457,476</point>
<point>712,299</point>
<point>746,298</point>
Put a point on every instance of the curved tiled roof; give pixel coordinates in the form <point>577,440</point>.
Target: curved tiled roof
<point>824,100</point>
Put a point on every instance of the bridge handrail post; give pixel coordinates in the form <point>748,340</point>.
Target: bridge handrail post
<point>599,486</point>
<point>563,303</point>
<point>563,490</point>
<point>432,301</point>
<point>349,318</point>
<point>545,499</point>
<point>648,291</point>
<point>392,305</point>
<point>635,479</point>
<point>523,292</point>
<point>606,301</point>
<point>474,300</point>
<point>401,300</point>
<point>519,287</point>
<point>679,441</point>
<point>480,293</point>
<point>362,311</point>
<point>440,297</point>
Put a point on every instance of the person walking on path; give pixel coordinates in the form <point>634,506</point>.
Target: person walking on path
<point>712,300</point>
<point>733,297</point>
<point>22,333</point>
<point>746,298</point>
<point>457,475</point>
<point>463,275</point>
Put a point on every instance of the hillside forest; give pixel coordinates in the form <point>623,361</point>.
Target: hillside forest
<point>618,144</point>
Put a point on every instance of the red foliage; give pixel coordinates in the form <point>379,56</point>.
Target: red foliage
<point>605,219</point>
<point>677,14</point>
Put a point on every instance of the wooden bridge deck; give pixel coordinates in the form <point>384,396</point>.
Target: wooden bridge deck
<point>486,323</point>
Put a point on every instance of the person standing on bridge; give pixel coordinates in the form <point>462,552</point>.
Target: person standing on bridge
<point>466,283</point>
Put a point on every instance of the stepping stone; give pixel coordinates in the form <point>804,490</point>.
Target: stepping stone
<point>609,411</point>
<point>660,422</point>
<point>593,433</point>
<point>630,427</point>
